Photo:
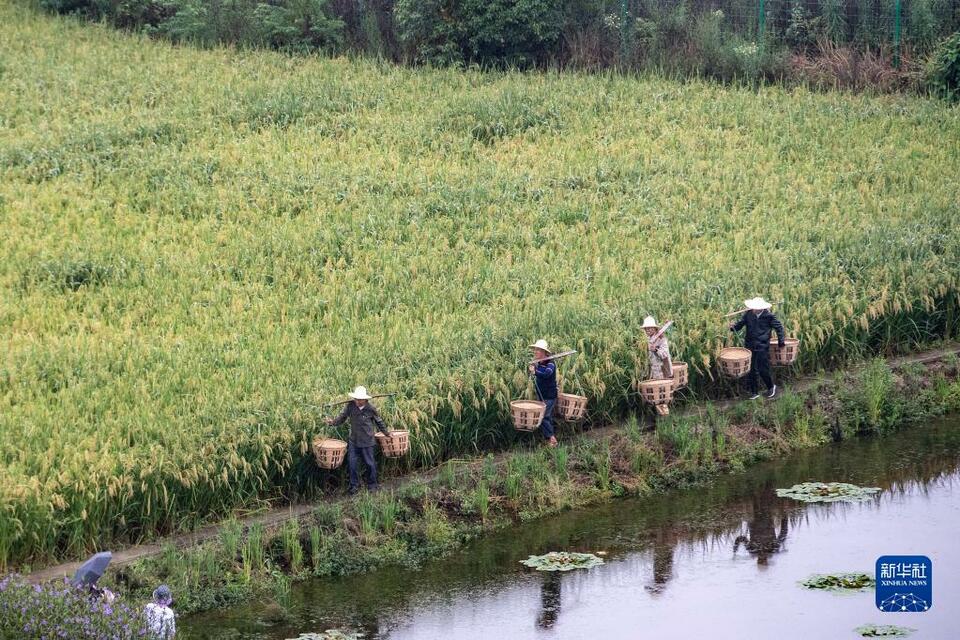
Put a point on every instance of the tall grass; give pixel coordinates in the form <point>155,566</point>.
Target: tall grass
<point>193,266</point>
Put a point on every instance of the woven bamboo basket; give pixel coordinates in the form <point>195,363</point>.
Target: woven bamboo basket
<point>681,374</point>
<point>571,407</point>
<point>396,445</point>
<point>329,452</point>
<point>735,361</point>
<point>786,356</point>
<point>527,414</point>
<point>657,391</point>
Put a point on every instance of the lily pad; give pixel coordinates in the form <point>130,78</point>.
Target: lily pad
<point>329,634</point>
<point>839,582</point>
<point>562,561</point>
<point>828,492</point>
<point>883,631</point>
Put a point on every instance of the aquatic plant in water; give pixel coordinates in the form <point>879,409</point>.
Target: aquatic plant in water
<point>828,492</point>
<point>839,582</point>
<point>562,561</point>
<point>883,631</point>
<point>329,634</point>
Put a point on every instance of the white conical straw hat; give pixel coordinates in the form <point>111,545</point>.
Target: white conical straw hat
<point>541,344</point>
<point>650,323</point>
<point>360,393</point>
<point>757,303</point>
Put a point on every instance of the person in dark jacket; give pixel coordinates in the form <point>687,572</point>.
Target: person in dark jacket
<point>364,422</point>
<point>759,321</point>
<point>544,373</point>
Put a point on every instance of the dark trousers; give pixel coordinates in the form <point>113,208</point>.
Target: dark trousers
<point>759,368</point>
<point>353,453</point>
<point>546,427</point>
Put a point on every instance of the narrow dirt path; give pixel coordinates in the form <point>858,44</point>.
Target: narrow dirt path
<point>278,516</point>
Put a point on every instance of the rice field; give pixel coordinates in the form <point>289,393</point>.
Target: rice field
<point>200,248</point>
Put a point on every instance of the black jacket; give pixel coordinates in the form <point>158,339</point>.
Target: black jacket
<point>363,423</point>
<point>758,330</point>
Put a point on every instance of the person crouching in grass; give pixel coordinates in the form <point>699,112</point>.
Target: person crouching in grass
<point>661,365</point>
<point>544,373</point>
<point>364,422</point>
<point>759,320</point>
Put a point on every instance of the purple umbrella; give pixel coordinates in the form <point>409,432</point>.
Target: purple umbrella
<point>91,570</point>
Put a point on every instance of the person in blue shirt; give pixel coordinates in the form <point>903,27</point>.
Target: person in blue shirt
<point>544,372</point>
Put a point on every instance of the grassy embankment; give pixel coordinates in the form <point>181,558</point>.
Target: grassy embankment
<point>429,519</point>
<point>204,245</point>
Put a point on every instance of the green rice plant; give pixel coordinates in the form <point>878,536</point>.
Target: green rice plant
<point>230,535</point>
<point>633,429</point>
<point>513,485</point>
<point>251,554</point>
<point>480,498</point>
<point>489,468</point>
<point>561,458</point>
<point>390,510</point>
<point>602,467</point>
<point>316,547</point>
<point>292,548</point>
<point>368,512</point>
<point>447,477</point>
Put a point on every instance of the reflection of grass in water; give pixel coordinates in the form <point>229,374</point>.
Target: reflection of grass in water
<point>562,561</point>
<point>828,492</point>
<point>883,631</point>
<point>839,582</point>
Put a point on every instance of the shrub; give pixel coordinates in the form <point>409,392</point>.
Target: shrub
<point>943,69</point>
<point>512,33</point>
<point>299,25</point>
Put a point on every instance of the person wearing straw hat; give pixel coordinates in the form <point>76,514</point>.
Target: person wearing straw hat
<point>759,321</point>
<point>364,422</point>
<point>661,365</point>
<point>544,372</point>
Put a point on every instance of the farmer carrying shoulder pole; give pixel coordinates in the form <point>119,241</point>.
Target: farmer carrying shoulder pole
<point>544,371</point>
<point>661,365</point>
<point>364,422</point>
<point>759,320</point>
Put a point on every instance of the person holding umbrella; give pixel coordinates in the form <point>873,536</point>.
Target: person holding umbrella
<point>160,619</point>
<point>759,321</point>
<point>544,372</point>
<point>364,422</point>
<point>90,572</point>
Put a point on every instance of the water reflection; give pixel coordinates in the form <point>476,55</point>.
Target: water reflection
<point>549,600</point>
<point>659,551</point>
<point>663,545</point>
<point>763,539</point>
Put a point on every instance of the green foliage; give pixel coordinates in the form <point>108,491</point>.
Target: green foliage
<point>292,548</point>
<point>513,33</point>
<point>828,492</point>
<point>299,26</point>
<point>562,561</point>
<point>943,68</point>
<point>840,582</point>
<point>883,631</point>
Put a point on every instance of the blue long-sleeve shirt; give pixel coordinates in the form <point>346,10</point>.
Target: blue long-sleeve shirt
<point>545,375</point>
